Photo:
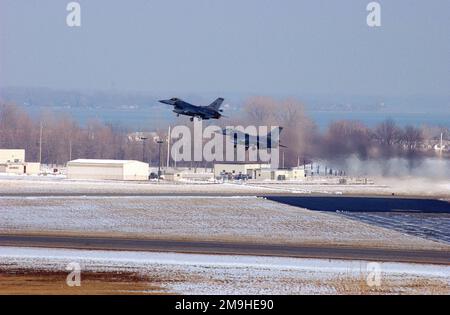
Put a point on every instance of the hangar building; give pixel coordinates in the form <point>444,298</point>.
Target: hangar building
<point>107,169</point>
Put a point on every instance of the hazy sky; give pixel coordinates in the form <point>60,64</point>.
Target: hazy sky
<point>240,46</point>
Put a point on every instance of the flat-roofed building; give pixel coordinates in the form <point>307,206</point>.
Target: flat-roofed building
<point>12,168</point>
<point>274,174</point>
<point>32,168</point>
<point>189,174</point>
<point>12,161</point>
<point>234,168</point>
<point>298,173</point>
<point>12,156</point>
<point>107,169</point>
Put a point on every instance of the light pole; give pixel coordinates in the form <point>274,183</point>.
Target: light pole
<point>40,143</point>
<point>168,149</point>
<point>159,142</point>
<point>143,147</point>
<point>70,149</point>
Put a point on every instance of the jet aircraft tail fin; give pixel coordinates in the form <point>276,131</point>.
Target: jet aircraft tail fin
<point>216,104</point>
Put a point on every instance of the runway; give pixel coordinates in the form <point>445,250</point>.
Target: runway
<point>228,248</point>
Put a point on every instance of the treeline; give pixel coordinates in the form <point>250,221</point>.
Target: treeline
<point>342,138</point>
<point>62,138</point>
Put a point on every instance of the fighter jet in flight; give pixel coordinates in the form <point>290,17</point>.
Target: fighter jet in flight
<point>255,142</point>
<point>180,107</point>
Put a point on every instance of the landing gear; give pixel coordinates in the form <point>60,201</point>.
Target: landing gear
<point>191,119</point>
<point>178,115</point>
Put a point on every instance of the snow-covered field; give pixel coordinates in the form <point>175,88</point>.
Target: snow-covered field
<point>382,186</point>
<point>213,274</point>
<point>407,186</point>
<point>236,216</point>
<point>195,218</point>
<point>57,185</point>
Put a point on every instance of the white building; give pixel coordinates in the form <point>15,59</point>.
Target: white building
<point>236,168</point>
<point>12,161</point>
<point>295,173</point>
<point>274,174</point>
<point>107,169</point>
<point>12,156</point>
<point>189,175</point>
<point>298,173</point>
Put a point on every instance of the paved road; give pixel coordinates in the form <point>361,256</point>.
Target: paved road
<point>203,247</point>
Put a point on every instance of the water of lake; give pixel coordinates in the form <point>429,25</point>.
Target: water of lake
<point>151,118</point>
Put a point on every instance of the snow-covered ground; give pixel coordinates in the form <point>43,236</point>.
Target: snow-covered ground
<point>214,274</point>
<point>195,218</point>
<point>407,186</point>
<point>382,186</point>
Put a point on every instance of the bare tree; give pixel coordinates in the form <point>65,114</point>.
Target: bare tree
<point>387,133</point>
<point>411,137</point>
<point>347,137</point>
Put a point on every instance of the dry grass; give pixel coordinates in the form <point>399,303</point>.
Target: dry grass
<point>25,281</point>
<point>20,282</point>
<point>389,285</point>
